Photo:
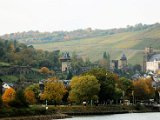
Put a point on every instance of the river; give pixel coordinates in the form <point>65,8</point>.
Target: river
<point>128,116</point>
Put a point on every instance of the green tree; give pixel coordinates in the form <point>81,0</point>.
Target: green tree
<point>84,88</point>
<point>76,62</point>
<point>126,86</point>
<point>107,82</point>
<point>105,62</point>
<point>105,55</point>
<point>2,50</point>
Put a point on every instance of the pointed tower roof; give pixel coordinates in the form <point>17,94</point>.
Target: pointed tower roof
<point>65,56</point>
<point>123,57</point>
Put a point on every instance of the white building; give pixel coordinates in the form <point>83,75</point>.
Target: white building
<point>154,63</point>
<point>6,86</point>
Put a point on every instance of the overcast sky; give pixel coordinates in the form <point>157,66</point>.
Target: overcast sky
<point>54,15</point>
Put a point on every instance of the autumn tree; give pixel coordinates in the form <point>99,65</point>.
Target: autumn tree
<point>32,93</point>
<point>54,90</point>
<point>84,88</point>
<point>8,95</point>
<point>45,70</point>
<point>143,89</point>
<point>30,96</point>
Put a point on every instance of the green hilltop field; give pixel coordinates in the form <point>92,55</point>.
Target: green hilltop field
<point>130,43</point>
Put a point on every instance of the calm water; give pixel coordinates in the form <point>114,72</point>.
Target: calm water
<point>130,116</point>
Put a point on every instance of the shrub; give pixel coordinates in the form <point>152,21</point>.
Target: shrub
<point>19,101</point>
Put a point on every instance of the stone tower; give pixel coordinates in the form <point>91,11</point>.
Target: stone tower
<point>66,62</point>
<point>123,61</point>
<point>148,52</point>
<point>114,65</point>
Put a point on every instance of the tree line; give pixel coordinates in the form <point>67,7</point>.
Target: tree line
<point>96,86</point>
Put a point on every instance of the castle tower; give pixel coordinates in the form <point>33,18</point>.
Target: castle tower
<point>66,62</point>
<point>114,64</point>
<point>123,61</point>
<point>148,52</point>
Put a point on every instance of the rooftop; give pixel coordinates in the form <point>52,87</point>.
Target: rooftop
<point>155,58</point>
<point>123,57</point>
<point>65,56</point>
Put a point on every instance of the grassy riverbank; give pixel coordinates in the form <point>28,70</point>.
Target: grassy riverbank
<point>39,113</point>
<point>98,110</point>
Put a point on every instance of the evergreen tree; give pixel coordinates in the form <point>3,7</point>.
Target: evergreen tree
<point>106,58</point>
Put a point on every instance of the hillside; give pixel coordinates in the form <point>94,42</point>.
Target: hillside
<point>131,43</point>
<point>92,43</point>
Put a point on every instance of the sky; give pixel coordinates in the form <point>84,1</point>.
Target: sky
<point>68,15</point>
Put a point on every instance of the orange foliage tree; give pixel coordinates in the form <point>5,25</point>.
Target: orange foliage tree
<point>143,89</point>
<point>8,95</point>
<point>30,96</point>
<point>31,93</point>
<point>45,70</point>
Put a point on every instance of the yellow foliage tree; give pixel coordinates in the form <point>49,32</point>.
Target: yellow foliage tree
<point>84,88</point>
<point>8,95</point>
<point>54,90</point>
<point>52,79</point>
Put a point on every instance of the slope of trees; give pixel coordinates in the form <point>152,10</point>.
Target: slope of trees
<point>16,53</point>
<point>20,54</point>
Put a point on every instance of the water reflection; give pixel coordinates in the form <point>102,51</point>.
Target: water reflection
<point>130,116</point>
